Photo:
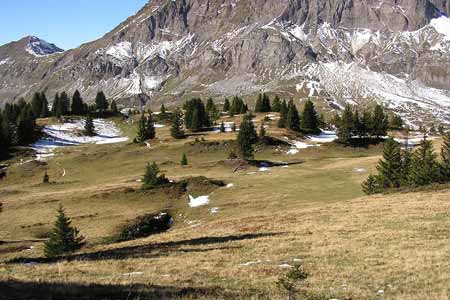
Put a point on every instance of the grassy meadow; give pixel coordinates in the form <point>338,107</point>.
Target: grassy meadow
<point>393,246</point>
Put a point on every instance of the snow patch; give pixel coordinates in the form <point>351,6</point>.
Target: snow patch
<point>199,201</point>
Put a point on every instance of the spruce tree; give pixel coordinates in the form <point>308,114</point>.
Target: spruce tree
<point>101,103</point>
<point>64,238</point>
<point>150,128</point>
<point>390,167</point>
<point>259,104</point>
<point>445,157</point>
<point>309,120</point>
<point>89,128</point>
<point>266,103</point>
<point>226,105</point>
<point>276,104</point>
<point>77,106</point>
<point>345,126</point>
<point>44,109</point>
<point>26,125</point>
<point>262,133</point>
<point>114,109</point>
<point>222,127</point>
<point>283,115</point>
<point>372,185</point>
<point>162,109</point>
<point>36,105</point>
<point>152,178</point>
<point>211,110</point>
<point>56,107</point>
<point>292,118</point>
<point>246,138</point>
<point>184,160</point>
<point>424,167</point>
<point>145,129</point>
<point>176,130</point>
<point>379,122</point>
<point>64,103</point>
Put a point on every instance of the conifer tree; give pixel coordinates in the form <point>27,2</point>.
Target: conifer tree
<point>26,125</point>
<point>89,128</point>
<point>276,104</point>
<point>56,107</point>
<point>395,122</point>
<point>366,123</point>
<point>226,105</point>
<point>309,120</point>
<point>424,167</point>
<point>233,127</point>
<point>292,118</point>
<point>146,129</point>
<point>114,108</point>
<point>44,109</point>
<point>196,117</point>
<point>259,104</point>
<point>372,185</point>
<point>246,138</point>
<point>358,126</point>
<point>162,109</point>
<point>77,106</point>
<point>266,103</point>
<point>152,178</point>
<point>184,160</point>
<point>283,115</point>
<point>345,126</point>
<point>390,167</point>
<point>222,127</point>
<point>379,122</point>
<point>101,103</point>
<point>177,131</point>
<point>445,157</point>
<point>64,103</point>
<point>211,110</point>
<point>64,238</point>
<point>36,105</point>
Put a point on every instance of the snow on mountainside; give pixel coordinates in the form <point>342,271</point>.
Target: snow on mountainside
<point>38,47</point>
<point>393,52</point>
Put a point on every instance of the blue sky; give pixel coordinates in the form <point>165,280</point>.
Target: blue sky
<point>66,23</point>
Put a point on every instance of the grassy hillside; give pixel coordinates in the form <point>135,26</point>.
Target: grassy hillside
<point>354,247</point>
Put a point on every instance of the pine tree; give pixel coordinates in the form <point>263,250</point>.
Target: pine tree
<point>395,122</point>
<point>64,238</point>
<point>177,125</point>
<point>101,103</point>
<point>64,103</point>
<point>390,167</point>
<point>146,129</point>
<point>152,178</point>
<point>150,128</point>
<point>163,109</point>
<point>246,138</point>
<point>309,120</point>
<point>372,185</point>
<point>276,104</point>
<point>89,128</point>
<point>211,110</point>
<point>77,106</point>
<point>424,167</point>
<point>226,105</point>
<point>26,125</point>
<point>114,109</point>
<point>259,104</point>
<point>345,126</point>
<point>56,107</point>
<point>293,118</point>
<point>266,103</point>
<point>36,104</point>
<point>44,109</point>
<point>283,115</point>
<point>379,122</point>
<point>222,127</point>
<point>445,157</point>
<point>196,117</point>
<point>184,160</point>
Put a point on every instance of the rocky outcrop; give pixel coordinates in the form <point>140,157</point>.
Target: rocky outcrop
<point>171,49</point>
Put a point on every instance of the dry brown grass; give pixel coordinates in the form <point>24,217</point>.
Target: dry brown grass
<point>313,213</point>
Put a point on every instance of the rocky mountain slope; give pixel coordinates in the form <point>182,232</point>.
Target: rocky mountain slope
<point>392,51</point>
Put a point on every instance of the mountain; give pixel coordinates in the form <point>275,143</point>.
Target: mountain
<point>392,51</point>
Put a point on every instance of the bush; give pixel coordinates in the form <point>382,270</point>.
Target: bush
<point>146,225</point>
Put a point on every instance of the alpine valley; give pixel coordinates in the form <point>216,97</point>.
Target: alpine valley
<point>395,52</point>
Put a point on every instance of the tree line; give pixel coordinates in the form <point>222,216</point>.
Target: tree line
<point>406,168</point>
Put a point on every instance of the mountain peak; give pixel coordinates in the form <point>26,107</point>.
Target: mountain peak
<point>38,47</point>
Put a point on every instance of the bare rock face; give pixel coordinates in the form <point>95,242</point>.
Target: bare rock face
<point>171,50</point>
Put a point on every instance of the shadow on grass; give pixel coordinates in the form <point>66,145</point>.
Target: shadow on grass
<point>14,290</point>
<point>151,250</point>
